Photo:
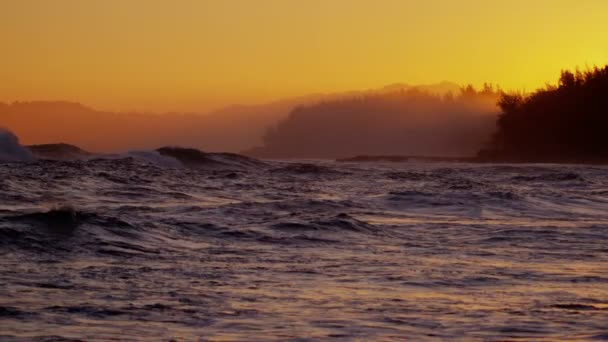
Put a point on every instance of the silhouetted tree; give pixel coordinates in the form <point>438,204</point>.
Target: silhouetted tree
<point>563,123</point>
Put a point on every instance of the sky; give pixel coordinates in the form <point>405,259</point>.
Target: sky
<point>199,55</point>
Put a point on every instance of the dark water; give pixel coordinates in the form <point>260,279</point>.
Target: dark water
<point>125,249</point>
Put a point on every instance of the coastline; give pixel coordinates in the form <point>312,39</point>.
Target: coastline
<point>473,160</point>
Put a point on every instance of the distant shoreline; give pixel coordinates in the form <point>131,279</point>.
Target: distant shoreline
<point>476,160</point>
<point>64,151</point>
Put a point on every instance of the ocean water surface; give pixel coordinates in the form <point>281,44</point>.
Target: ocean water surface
<point>139,248</point>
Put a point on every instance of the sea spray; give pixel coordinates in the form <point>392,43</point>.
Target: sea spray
<point>11,150</point>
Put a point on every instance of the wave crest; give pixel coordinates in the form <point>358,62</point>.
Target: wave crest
<point>11,150</point>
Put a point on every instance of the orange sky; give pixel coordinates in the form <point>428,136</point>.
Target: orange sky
<point>195,55</point>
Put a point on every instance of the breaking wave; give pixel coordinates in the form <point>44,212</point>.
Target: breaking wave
<point>196,158</point>
<point>63,152</point>
<point>11,150</point>
<point>154,157</point>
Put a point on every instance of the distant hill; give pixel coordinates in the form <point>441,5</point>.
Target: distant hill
<point>232,129</point>
<point>400,120</point>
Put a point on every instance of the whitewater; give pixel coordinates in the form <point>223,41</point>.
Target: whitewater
<point>143,246</point>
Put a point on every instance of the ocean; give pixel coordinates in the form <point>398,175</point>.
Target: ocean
<point>145,247</point>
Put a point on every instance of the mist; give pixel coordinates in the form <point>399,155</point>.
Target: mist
<point>412,121</point>
<point>397,119</point>
<point>231,129</point>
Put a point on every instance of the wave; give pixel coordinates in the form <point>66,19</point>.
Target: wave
<point>58,220</point>
<point>196,158</point>
<point>550,177</point>
<point>66,230</point>
<point>154,157</point>
<point>64,152</point>
<point>11,150</point>
<point>341,222</point>
<point>166,157</point>
<point>304,168</point>
<point>176,157</point>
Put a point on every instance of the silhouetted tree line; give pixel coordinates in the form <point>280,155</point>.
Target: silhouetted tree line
<point>563,123</point>
<point>406,121</point>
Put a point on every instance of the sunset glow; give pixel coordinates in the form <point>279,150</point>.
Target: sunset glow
<point>303,170</point>
<point>190,55</point>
